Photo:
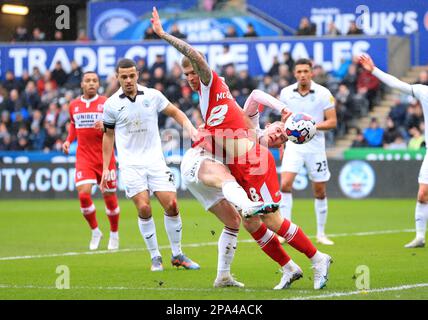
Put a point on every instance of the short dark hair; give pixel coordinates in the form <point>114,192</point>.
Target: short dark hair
<point>303,61</point>
<point>88,72</point>
<point>125,63</point>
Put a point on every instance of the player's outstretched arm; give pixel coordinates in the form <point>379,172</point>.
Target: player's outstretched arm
<point>108,145</point>
<point>181,118</point>
<point>200,66</point>
<point>386,78</point>
<point>259,97</point>
<point>330,121</point>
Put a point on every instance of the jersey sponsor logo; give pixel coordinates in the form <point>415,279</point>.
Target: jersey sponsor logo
<point>87,119</point>
<point>357,179</point>
<point>218,114</point>
<point>119,110</point>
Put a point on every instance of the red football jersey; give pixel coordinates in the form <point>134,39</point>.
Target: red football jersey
<point>220,110</point>
<point>84,114</point>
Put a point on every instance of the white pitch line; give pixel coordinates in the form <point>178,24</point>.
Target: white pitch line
<point>190,245</point>
<point>361,292</point>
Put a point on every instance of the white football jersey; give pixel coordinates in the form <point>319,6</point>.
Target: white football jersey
<point>420,92</point>
<point>136,128</point>
<point>314,103</point>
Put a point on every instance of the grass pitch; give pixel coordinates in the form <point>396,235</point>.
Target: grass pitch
<point>37,237</point>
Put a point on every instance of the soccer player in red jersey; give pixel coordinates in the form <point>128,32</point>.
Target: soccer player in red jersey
<point>85,112</point>
<point>250,163</point>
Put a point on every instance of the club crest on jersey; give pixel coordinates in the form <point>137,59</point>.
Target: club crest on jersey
<point>76,109</point>
<point>100,107</point>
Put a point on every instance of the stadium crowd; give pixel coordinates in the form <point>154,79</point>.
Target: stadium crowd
<point>34,108</point>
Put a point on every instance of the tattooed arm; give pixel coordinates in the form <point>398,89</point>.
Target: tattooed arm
<point>200,65</point>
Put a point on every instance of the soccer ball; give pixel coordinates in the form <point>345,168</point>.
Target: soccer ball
<point>300,128</point>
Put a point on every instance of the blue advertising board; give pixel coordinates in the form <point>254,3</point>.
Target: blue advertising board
<point>255,55</point>
<point>374,17</point>
<point>106,19</point>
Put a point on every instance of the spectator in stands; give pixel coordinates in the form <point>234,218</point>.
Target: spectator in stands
<point>149,34</point>
<point>20,35</point>
<point>351,77</point>
<point>251,32</point>
<point>63,115</point>
<point>21,142</point>
<point>245,83</point>
<point>50,93</point>
<point>332,30</point>
<point>6,143</point>
<point>159,63</point>
<point>51,116</point>
<point>157,77</point>
<point>368,83</point>
<point>142,65</point>
<point>74,77</point>
<point>353,29</point>
<point>306,28</point>
<point>342,71</point>
<point>288,60</point>
<point>274,69</point>
<point>37,119</point>
<point>18,121</point>
<point>417,141</point>
<point>231,32</point>
<point>45,80</point>
<point>37,35</point>
<point>284,74</point>
<point>343,109</point>
<point>173,78</point>
<point>58,36</point>
<point>58,74</point>
<point>36,75</point>
<point>30,97</point>
<point>3,130</point>
<point>10,82</point>
<point>414,115</point>
<point>51,138</point>
<point>224,59</point>
<point>423,78</point>
<point>391,133</point>
<point>230,77</point>
<point>269,86</point>
<point>37,137</point>
<point>319,75</point>
<point>5,119</point>
<point>82,36</point>
<point>175,31</point>
<point>374,134</point>
<point>398,144</point>
<point>14,102</point>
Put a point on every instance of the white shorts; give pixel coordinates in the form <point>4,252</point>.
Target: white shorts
<point>137,179</point>
<point>190,164</point>
<point>423,172</point>
<point>316,164</point>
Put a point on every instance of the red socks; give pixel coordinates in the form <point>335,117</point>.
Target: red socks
<point>112,210</point>
<point>88,209</point>
<point>269,243</point>
<point>296,238</point>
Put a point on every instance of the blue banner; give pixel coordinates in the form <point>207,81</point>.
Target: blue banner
<point>106,19</point>
<point>255,55</point>
<point>374,17</point>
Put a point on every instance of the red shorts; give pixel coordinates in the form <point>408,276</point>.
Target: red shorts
<point>86,174</point>
<point>256,173</point>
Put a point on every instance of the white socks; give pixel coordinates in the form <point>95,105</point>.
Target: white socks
<point>235,194</point>
<point>226,251</point>
<point>173,227</point>
<point>421,218</point>
<point>321,213</point>
<point>286,205</point>
<point>148,231</point>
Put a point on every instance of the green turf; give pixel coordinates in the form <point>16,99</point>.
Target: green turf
<point>56,227</point>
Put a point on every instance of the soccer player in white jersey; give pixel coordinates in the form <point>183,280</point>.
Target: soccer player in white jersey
<point>311,98</point>
<point>420,92</point>
<point>130,119</point>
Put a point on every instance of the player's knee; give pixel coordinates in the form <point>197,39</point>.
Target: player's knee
<point>251,224</point>
<point>423,196</point>
<point>110,200</point>
<point>144,210</point>
<point>286,186</point>
<point>171,208</point>
<point>85,199</point>
<point>234,222</point>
